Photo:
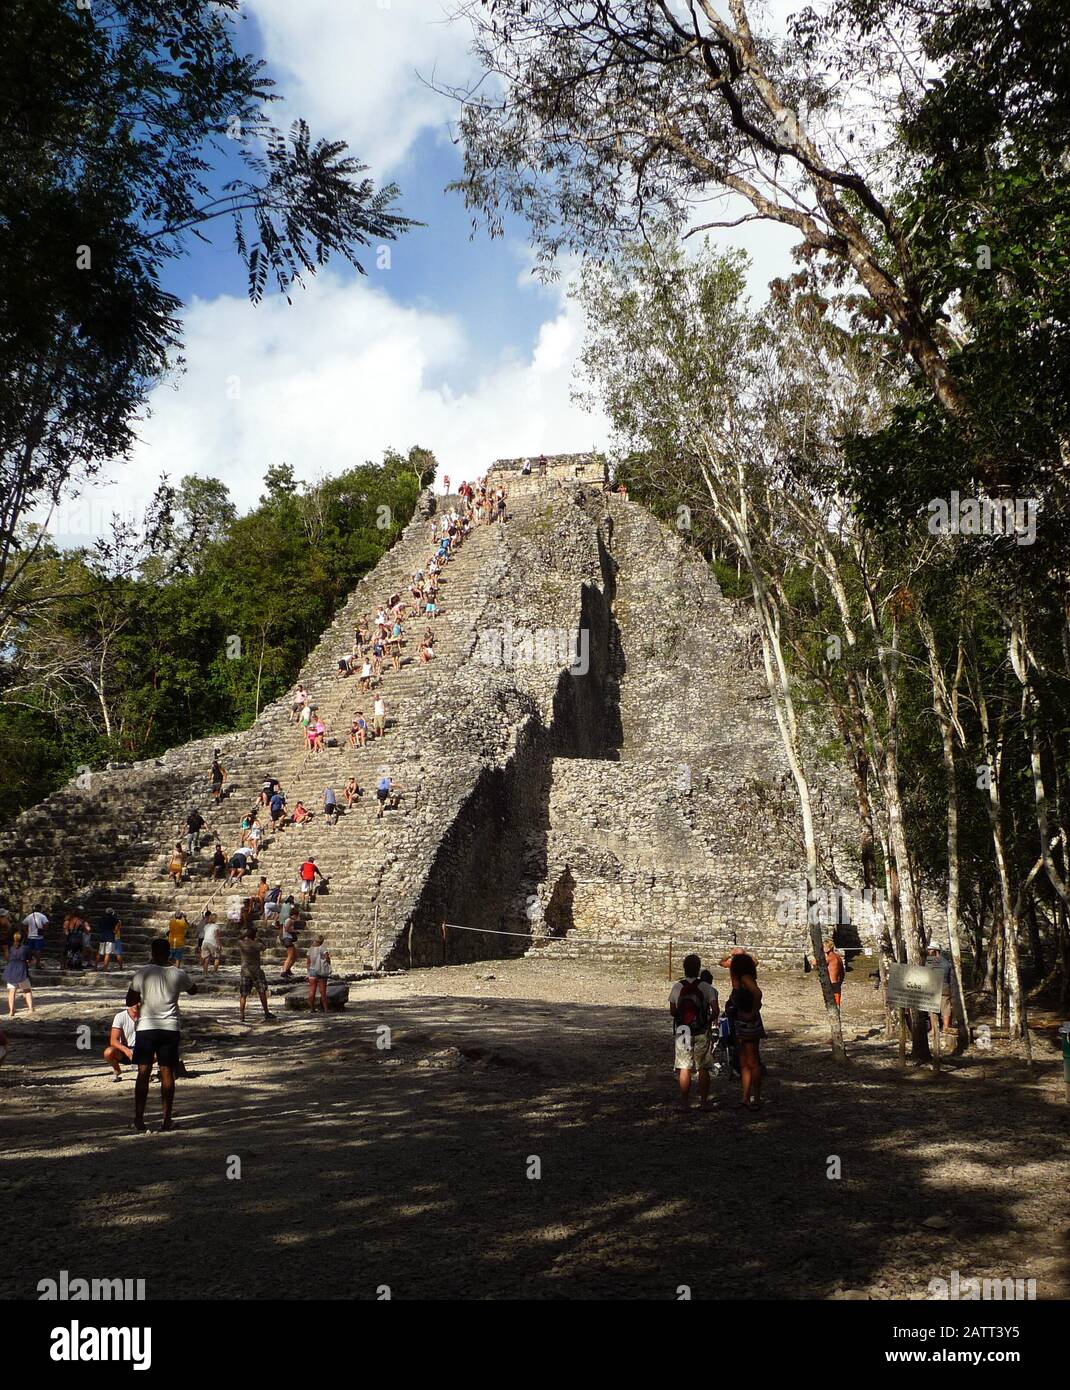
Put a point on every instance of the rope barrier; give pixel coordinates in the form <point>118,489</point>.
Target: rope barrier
<point>659,947</point>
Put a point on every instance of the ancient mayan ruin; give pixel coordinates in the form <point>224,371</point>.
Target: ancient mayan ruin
<point>596,716</point>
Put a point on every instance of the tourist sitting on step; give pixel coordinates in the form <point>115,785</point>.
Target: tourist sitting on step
<point>177,864</point>
<point>317,735</point>
<point>219,861</point>
<point>302,815</point>
<point>351,791</point>
<point>358,730</point>
<point>425,652</point>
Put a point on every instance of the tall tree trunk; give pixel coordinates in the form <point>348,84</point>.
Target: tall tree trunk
<point>733,517</point>
<point>946,717</point>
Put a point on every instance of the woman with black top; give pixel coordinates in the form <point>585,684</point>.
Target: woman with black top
<point>744,1008</point>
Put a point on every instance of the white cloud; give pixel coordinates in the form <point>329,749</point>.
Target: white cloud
<point>353,68</point>
<point>338,377</point>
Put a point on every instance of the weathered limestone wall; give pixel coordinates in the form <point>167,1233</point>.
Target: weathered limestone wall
<point>691,831</point>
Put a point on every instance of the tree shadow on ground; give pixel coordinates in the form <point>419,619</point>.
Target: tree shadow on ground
<point>501,1149</point>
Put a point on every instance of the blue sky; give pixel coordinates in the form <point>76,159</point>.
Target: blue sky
<point>456,346</point>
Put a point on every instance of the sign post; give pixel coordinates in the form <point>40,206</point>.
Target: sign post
<point>917,987</point>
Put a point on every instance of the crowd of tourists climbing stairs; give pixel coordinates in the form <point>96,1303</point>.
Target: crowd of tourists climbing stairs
<point>427,583</point>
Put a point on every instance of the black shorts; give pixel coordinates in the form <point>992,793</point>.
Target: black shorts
<point>159,1044</point>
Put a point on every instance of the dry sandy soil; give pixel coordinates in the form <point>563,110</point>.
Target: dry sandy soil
<point>408,1166</point>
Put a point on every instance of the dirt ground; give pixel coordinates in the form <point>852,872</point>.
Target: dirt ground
<point>408,1166</point>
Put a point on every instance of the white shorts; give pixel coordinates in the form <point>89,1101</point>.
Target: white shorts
<point>692,1051</point>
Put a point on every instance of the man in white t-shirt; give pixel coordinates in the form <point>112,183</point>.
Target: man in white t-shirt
<point>694,1008</point>
<point>211,950</point>
<point>120,1046</point>
<point>35,922</point>
<point>158,1031</point>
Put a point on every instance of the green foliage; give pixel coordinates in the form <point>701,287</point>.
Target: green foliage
<point>117,119</point>
<point>200,639</point>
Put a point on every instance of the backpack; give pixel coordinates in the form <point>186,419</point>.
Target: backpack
<point>692,1008</point>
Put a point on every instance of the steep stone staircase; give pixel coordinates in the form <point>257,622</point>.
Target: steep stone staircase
<point>136,816</point>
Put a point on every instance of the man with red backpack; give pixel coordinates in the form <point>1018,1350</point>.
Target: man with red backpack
<point>694,1008</point>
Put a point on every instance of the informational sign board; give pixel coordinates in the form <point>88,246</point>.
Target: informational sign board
<point>915,987</point>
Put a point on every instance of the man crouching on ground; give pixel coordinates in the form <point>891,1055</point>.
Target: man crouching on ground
<point>694,1008</point>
